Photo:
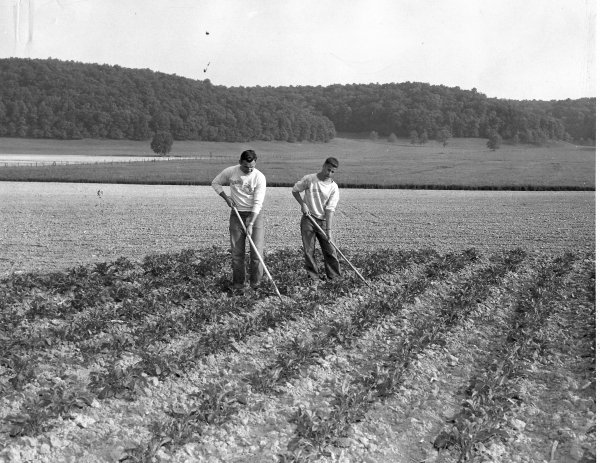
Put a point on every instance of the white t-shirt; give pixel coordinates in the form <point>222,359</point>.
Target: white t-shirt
<point>247,190</point>
<point>319,196</point>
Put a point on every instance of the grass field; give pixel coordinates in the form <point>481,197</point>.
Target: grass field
<point>463,164</point>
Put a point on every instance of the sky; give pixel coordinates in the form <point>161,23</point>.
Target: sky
<point>517,49</point>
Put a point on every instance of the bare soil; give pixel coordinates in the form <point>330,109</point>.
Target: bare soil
<point>48,226</point>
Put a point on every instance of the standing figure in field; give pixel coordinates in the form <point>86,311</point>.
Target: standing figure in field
<point>247,193</point>
<point>321,195</point>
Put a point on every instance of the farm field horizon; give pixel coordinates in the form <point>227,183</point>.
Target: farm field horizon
<point>463,164</point>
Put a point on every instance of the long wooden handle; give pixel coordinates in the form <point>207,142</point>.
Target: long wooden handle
<point>336,248</point>
<point>256,252</point>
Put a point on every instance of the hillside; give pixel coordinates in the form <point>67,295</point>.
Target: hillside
<point>70,100</point>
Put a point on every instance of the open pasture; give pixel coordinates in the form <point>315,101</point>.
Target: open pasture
<point>49,226</point>
<point>464,163</point>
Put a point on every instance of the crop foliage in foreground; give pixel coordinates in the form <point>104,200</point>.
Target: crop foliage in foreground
<point>134,324</point>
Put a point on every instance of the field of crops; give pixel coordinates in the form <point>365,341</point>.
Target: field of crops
<point>457,356</point>
<point>474,339</point>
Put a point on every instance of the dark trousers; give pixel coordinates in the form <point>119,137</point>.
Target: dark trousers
<point>309,236</point>
<point>238,248</point>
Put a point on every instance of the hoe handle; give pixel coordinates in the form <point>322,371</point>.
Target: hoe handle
<point>256,252</point>
<point>336,248</point>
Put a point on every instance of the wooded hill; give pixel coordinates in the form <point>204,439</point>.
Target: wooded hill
<point>68,100</point>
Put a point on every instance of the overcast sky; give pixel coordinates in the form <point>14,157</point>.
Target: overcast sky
<point>522,49</point>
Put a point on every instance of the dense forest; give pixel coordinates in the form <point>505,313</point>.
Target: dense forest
<point>67,100</point>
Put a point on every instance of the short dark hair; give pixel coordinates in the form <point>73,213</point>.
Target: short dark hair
<point>332,162</point>
<point>248,156</point>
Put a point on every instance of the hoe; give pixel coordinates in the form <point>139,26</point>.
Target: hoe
<point>336,248</point>
<point>257,253</point>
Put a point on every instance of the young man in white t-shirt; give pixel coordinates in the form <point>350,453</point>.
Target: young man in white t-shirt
<point>247,187</point>
<point>321,195</point>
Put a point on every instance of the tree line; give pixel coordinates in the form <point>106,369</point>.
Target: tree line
<point>404,109</point>
<point>68,100</point>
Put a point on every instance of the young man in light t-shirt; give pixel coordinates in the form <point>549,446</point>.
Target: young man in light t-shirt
<point>247,187</point>
<point>321,195</point>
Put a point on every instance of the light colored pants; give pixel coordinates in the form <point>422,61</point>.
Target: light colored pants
<point>238,248</point>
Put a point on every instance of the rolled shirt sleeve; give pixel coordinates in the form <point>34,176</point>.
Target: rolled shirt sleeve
<point>302,184</point>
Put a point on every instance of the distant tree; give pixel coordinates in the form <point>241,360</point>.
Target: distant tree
<point>162,142</point>
<point>494,141</point>
<point>374,136</point>
<point>392,138</point>
<point>414,137</point>
<point>443,136</point>
<point>423,138</point>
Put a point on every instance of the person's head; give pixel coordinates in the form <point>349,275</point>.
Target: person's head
<point>248,161</point>
<point>329,167</point>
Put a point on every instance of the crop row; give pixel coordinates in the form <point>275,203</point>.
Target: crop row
<point>492,395</point>
<point>217,322</point>
<point>87,306</point>
<point>297,356</point>
<point>228,323</point>
<point>315,432</point>
<point>319,431</point>
<point>302,352</point>
<point>172,338</point>
<point>63,294</point>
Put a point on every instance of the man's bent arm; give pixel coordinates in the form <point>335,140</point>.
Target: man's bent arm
<point>303,205</point>
<point>298,197</point>
<point>329,222</point>
<point>227,199</point>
